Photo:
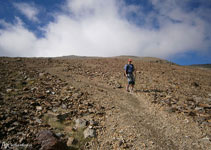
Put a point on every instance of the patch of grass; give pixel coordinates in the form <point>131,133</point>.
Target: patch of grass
<point>19,85</point>
<point>31,82</point>
<point>53,122</point>
<point>79,136</point>
<point>56,124</point>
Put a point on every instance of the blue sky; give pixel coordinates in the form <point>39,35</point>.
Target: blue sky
<point>175,30</point>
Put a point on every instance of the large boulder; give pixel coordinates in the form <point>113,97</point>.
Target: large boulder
<point>49,141</point>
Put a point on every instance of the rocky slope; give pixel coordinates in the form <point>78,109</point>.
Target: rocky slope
<point>81,103</point>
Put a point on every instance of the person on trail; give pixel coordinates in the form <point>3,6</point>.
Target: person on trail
<point>129,69</point>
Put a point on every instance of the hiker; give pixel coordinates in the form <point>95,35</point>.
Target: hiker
<point>129,69</point>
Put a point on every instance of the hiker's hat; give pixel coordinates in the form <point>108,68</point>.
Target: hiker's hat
<point>129,60</point>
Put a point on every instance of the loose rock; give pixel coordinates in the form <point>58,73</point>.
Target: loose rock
<point>80,123</point>
<point>89,133</point>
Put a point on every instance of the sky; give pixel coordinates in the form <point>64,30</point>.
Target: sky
<point>179,31</point>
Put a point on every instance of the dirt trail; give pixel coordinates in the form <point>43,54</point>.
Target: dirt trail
<point>133,122</point>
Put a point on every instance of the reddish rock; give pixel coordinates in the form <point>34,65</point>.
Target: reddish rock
<point>49,141</point>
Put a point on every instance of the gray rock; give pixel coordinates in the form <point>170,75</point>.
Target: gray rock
<point>80,123</point>
<point>28,79</point>
<point>22,139</point>
<point>48,92</point>
<point>93,123</point>
<point>9,90</point>
<point>198,108</point>
<point>15,123</point>
<point>89,133</point>
<point>38,121</point>
<point>64,106</point>
<point>206,140</point>
<point>58,134</point>
<point>197,99</point>
<point>209,100</point>
<point>41,74</point>
<point>55,110</point>
<point>39,108</point>
<point>11,129</point>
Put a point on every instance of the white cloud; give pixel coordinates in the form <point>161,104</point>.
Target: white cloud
<point>29,10</point>
<point>101,28</point>
<point>16,40</point>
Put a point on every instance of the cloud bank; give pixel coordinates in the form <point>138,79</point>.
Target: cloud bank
<point>111,28</point>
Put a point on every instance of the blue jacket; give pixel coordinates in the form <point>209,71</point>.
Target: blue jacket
<point>129,68</point>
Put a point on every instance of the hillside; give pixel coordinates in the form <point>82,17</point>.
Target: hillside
<point>202,66</point>
<point>81,103</point>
